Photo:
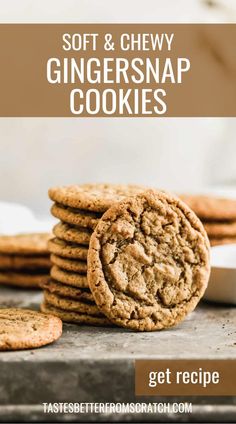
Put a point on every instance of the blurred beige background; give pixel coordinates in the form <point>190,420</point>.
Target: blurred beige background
<point>175,154</point>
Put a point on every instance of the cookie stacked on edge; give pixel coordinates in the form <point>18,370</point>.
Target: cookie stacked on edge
<point>79,209</point>
<point>218,216</point>
<point>148,261</point>
<point>24,260</point>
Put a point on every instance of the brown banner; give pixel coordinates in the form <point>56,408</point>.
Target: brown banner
<point>185,377</point>
<point>128,70</point>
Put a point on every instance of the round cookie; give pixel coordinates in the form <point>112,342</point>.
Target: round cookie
<point>71,304</point>
<point>25,244</point>
<point>75,317</point>
<point>16,262</point>
<point>211,208</point>
<point>64,290</point>
<point>93,197</point>
<point>224,229</point>
<point>70,278</point>
<point>75,216</point>
<point>20,279</point>
<point>148,261</point>
<point>67,250</point>
<point>72,234</point>
<point>73,265</point>
<point>26,329</point>
<point>222,241</point>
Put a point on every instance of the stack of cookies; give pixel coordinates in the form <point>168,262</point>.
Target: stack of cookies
<point>24,260</point>
<point>148,259</point>
<point>218,216</point>
<point>79,209</point>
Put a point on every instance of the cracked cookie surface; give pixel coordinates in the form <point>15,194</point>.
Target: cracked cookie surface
<point>26,329</point>
<point>148,261</point>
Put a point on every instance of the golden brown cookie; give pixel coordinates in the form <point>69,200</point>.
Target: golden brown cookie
<point>75,216</point>
<point>93,197</point>
<point>211,208</point>
<point>70,278</point>
<point>220,229</point>
<point>64,290</point>
<point>72,305</point>
<point>26,329</point>
<point>16,262</point>
<point>25,244</point>
<point>72,234</point>
<point>20,279</point>
<point>221,241</point>
<point>148,261</point>
<point>67,250</point>
<point>75,317</point>
<point>73,265</point>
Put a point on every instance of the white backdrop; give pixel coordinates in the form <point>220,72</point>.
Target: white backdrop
<point>177,154</point>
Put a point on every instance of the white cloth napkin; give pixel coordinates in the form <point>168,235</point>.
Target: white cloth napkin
<point>16,219</point>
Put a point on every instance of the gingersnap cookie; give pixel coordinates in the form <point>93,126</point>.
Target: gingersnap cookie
<point>25,244</point>
<point>67,250</point>
<point>93,197</point>
<point>17,262</point>
<point>22,279</point>
<point>75,216</point>
<point>72,234</point>
<point>75,317</point>
<point>26,329</point>
<point>70,278</point>
<point>221,241</point>
<point>211,208</point>
<point>148,261</point>
<point>64,290</point>
<point>220,229</point>
<point>73,265</point>
<point>71,304</point>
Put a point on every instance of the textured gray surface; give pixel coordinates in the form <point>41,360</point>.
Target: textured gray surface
<point>90,364</point>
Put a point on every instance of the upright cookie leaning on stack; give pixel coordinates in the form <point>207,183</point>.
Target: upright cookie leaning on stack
<point>79,208</point>
<point>24,260</point>
<point>148,261</point>
<point>218,216</point>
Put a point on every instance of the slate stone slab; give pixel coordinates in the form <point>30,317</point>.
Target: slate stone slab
<point>90,364</point>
